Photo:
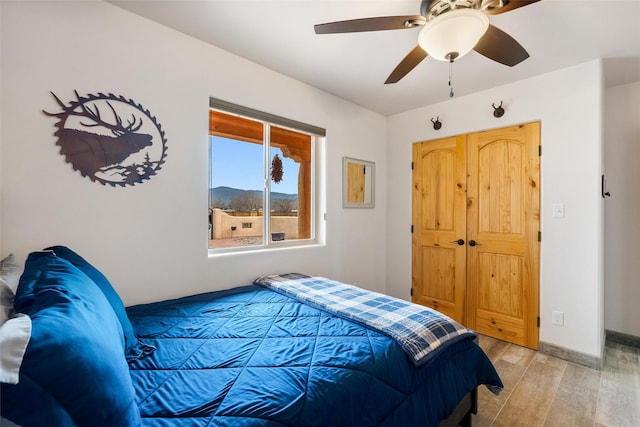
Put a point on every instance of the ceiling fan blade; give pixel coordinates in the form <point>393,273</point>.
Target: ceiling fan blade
<point>501,47</point>
<point>409,62</point>
<point>370,24</point>
<point>509,5</point>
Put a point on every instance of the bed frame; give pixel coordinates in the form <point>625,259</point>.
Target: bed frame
<point>461,415</point>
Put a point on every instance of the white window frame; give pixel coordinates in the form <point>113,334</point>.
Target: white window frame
<point>317,135</point>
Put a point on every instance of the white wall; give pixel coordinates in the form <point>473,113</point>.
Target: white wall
<point>568,104</point>
<point>622,209</point>
<point>150,240</point>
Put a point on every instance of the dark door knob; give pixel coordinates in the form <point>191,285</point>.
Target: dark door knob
<point>472,243</point>
<point>459,242</point>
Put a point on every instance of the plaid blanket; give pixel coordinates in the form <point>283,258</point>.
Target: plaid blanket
<point>420,331</point>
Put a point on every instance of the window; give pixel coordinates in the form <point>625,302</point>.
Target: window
<point>259,160</point>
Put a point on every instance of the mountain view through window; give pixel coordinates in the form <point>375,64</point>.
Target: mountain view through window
<point>253,165</point>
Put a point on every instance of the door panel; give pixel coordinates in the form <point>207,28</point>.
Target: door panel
<point>503,218</point>
<point>499,311</point>
<point>438,168</point>
<point>439,212</point>
<point>499,187</point>
<point>499,288</point>
<point>439,280</point>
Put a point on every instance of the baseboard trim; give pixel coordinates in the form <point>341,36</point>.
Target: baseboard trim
<point>583,359</point>
<point>621,338</point>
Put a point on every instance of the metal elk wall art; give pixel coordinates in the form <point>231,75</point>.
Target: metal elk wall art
<point>110,139</point>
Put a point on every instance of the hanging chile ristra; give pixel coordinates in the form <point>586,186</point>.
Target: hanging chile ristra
<point>276,169</point>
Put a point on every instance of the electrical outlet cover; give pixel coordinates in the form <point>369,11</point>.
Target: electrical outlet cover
<point>557,318</point>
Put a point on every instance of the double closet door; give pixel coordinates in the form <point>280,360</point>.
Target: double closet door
<point>475,241</point>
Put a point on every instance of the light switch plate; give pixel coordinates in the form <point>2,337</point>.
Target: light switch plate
<point>558,210</point>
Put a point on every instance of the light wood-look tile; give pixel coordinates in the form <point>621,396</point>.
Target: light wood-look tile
<point>531,399</point>
<point>619,398</point>
<point>542,390</point>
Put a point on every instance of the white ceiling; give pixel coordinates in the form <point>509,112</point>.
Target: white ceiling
<point>278,34</point>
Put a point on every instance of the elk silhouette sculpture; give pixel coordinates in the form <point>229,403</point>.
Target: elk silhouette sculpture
<point>93,153</point>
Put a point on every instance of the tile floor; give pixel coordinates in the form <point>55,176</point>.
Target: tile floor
<point>542,390</point>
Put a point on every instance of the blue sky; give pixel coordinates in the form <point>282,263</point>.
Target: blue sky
<point>238,164</point>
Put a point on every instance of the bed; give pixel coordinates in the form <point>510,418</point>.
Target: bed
<point>254,355</point>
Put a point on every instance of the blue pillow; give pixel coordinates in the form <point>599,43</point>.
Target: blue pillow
<point>134,349</point>
<point>74,371</point>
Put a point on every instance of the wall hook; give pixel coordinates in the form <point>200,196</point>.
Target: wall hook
<point>603,188</point>
<point>498,111</point>
<point>436,124</point>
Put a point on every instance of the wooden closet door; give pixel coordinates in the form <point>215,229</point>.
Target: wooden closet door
<point>503,203</point>
<point>439,220</point>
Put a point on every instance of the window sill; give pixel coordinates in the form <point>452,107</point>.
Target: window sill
<point>279,246</point>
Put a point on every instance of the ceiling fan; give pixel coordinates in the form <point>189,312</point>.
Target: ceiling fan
<point>450,29</point>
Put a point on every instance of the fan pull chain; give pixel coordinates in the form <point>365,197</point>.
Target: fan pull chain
<point>450,78</point>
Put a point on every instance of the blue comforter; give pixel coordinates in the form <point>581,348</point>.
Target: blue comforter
<point>253,357</point>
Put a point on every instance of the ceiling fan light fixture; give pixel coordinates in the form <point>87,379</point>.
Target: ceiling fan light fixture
<point>453,34</point>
